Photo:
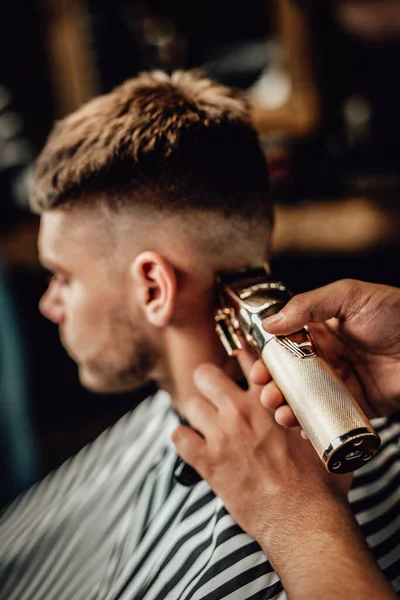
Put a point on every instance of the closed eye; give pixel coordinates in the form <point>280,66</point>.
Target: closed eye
<point>55,276</point>
<point>47,274</point>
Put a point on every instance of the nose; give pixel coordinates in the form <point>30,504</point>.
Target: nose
<point>50,304</point>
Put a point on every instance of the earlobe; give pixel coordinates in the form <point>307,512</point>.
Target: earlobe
<point>155,287</point>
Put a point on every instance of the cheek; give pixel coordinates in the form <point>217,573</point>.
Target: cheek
<point>84,311</point>
<point>93,311</point>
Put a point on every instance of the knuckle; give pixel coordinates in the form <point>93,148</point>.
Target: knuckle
<point>238,417</point>
<point>220,444</point>
<point>206,376</point>
<point>352,294</point>
<point>349,286</point>
<point>176,435</point>
<point>221,439</point>
<point>266,396</point>
<point>180,440</point>
<point>192,408</point>
<point>207,470</point>
<point>189,452</point>
<point>348,283</point>
<point>300,305</point>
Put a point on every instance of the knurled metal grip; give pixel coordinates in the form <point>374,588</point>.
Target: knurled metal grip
<point>333,421</point>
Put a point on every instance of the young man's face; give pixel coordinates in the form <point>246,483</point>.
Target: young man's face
<point>99,325</point>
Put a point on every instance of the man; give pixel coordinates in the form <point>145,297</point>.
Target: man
<point>144,194</point>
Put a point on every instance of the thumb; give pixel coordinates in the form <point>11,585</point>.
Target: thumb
<point>318,305</point>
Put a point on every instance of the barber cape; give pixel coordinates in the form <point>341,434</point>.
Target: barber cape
<point>111,523</point>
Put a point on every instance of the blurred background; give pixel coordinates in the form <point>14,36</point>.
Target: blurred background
<point>322,78</point>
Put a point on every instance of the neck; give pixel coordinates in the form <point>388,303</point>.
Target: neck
<point>187,348</point>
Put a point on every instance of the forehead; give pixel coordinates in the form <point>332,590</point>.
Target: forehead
<point>66,235</point>
<point>57,229</point>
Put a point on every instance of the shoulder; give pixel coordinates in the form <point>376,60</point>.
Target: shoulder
<point>100,461</point>
<point>65,508</point>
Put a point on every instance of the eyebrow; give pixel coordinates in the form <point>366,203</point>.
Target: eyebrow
<point>50,266</point>
<point>46,264</point>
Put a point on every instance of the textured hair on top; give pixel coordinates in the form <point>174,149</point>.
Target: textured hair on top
<point>173,141</point>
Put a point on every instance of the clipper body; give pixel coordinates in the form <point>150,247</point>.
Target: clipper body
<point>336,426</point>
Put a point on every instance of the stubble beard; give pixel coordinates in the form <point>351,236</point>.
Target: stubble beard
<point>130,364</point>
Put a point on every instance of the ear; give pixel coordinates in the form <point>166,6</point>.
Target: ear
<point>155,287</point>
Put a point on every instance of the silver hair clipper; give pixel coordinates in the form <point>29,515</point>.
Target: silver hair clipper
<point>333,421</point>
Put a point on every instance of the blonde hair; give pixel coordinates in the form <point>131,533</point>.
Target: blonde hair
<point>170,141</point>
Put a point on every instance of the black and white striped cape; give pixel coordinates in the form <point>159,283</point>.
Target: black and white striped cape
<point>111,524</point>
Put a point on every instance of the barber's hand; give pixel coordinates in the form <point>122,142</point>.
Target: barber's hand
<point>357,325</point>
<point>270,479</point>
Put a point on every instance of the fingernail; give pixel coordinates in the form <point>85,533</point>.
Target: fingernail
<point>273,319</point>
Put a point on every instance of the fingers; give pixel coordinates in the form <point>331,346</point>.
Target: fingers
<point>271,396</point>
<point>190,446</point>
<point>259,374</point>
<point>216,386</point>
<point>234,406</point>
<point>285,417</point>
<point>314,306</point>
<point>201,415</point>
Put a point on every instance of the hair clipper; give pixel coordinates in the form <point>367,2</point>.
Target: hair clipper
<point>333,421</point>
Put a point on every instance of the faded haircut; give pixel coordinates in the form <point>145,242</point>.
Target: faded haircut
<point>172,142</point>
